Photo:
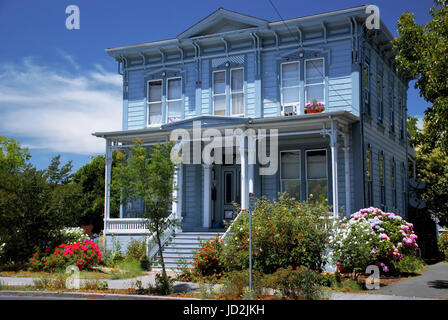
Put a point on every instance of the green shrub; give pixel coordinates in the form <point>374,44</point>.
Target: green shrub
<point>235,285</point>
<point>136,250</point>
<point>300,283</point>
<point>409,264</point>
<point>209,259</point>
<point>372,236</point>
<point>443,245</point>
<point>285,233</point>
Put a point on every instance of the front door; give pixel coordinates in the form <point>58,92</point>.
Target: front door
<point>230,178</point>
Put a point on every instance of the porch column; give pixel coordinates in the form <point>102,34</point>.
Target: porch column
<point>334,168</point>
<point>348,192</point>
<point>177,194</point>
<point>243,155</point>
<point>251,153</point>
<point>107,179</point>
<point>207,195</point>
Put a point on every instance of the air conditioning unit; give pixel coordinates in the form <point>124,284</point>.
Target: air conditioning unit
<point>290,110</point>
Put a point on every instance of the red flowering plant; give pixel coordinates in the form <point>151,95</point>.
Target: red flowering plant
<point>208,262</point>
<point>314,106</point>
<point>84,254</point>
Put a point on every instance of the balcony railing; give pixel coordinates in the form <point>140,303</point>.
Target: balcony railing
<point>126,226</point>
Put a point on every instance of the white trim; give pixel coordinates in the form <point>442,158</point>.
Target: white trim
<point>314,84</point>
<point>306,168</point>
<point>242,91</point>
<point>219,94</point>
<point>167,101</point>
<point>149,103</point>
<point>300,171</point>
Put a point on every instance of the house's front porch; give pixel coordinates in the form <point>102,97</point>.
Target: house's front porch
<point>303,155</point>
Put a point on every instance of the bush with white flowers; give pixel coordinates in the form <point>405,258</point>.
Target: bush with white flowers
<point>72,235</point>
<point>372,236</point>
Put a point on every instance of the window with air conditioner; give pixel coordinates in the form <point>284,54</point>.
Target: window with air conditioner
<point>290,88</point>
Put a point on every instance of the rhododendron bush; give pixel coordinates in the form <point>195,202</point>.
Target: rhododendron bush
<point>83,254</point>
<point>372,237</point>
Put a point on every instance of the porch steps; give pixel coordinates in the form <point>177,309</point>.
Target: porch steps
<point>181,247</point>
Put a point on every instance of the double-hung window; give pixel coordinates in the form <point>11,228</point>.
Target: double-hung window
<point>382,182</point>
<point>174,99</point>
<point>290,173</point>
<point>316,173</point>
<point>290,84</point>
<point>219,93</point>
<point>314,81</point>
<point>392,103</point>
<point>402,114</point>
<point>366,75</point>
<point>403,186</point>
<point>394,184</point>
<point>154,102</point>
<point>369,187</point>
<point>380,97</point>
<point>237,92</point>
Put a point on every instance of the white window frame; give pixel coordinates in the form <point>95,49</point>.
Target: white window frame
<point>306,167</point>
<point>298,86</point>
<point>149,103</point>
<point>167,101</point>
<point>315,84</point>
<point>300,171</point>
<point>242,91</point>
<point>219,94</point>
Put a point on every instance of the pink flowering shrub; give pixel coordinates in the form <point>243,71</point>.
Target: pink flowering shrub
<point>83,254</point>
<point>372,236</point>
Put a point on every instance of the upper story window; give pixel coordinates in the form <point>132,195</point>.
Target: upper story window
<point>154,100</point>
<point>290,84</point>
<point>290,173</point>
<point>380,97</point>
<point>316,173</point>
<point>392,103</point>
<point>219,93</point>
<point>174,100</point>
<point>237,92</point>
<point>366,76</point>
<point>314,80</point>
<point>402,114</point>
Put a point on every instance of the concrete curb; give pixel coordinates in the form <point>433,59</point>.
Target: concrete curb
<point>87,295</point>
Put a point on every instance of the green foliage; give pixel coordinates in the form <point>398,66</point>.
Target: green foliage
<point>372,236</point>
<point>209,259</point>
<point>422,54</point>
<point>90,178</point>
<point>163,284</point>
<point>409,264</point>
<point>235,285</point>
<point>148,177</point>
<point>136,250</point>
<point>285,233</point>
<point>432,168</point>
<point>300,283</point>
<point>443,245</point>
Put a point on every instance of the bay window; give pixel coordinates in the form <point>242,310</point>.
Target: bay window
<point>290,173</point>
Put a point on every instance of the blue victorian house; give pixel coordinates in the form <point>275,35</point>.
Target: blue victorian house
<point>324,86</point>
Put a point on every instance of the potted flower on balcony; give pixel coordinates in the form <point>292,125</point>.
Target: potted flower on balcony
<point>314,107</point>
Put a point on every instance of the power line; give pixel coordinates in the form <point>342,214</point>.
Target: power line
<point>292,35</point>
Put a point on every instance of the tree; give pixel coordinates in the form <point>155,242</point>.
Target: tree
<point>148,177</point>
<point>59,175</point>
<point>90,178</point>
<point>422,54</point>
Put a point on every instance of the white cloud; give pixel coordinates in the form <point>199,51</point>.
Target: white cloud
<point>57,109</point>
<point>420,122</point>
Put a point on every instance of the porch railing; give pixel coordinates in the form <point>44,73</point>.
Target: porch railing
<point>125,226</point>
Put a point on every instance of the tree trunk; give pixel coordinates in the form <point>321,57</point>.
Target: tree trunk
<point>159,243</point>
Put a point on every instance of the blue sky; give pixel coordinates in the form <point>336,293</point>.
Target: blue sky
<point>57,86</point>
